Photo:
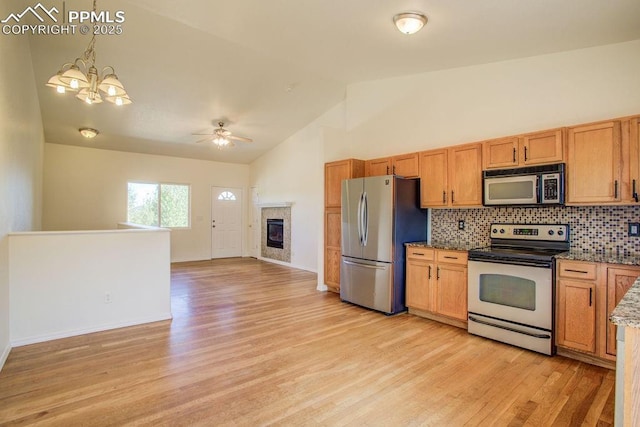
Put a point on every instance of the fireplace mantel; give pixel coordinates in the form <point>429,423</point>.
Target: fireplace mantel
<point>274,204</point>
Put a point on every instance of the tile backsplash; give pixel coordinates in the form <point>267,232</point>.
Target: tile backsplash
<point>592,228</point>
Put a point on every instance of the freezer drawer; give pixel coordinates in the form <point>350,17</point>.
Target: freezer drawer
<point>367,283</point>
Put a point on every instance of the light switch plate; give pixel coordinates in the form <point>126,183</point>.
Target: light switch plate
<point>634,229</point>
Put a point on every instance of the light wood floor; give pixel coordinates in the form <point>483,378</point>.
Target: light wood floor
<point>253,343</point>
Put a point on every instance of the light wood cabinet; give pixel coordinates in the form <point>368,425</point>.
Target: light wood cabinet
<point>334,174</point>
<point>594,159</point>
<point>433,178</point>
<point>436,283</point>
<point>377,167</point>
<point>631,144</point>
<point>587,293</point>
<point>451,177</point>
<point>619,281</point>
<point>404,165</point>
<point>526,150</point>
<point>420,288</point>
<point>576,305</point>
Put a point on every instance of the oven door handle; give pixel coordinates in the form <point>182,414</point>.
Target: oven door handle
<point>543,336</point>
<point>501,260</point>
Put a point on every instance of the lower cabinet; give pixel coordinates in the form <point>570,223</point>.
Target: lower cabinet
<point>436,283</point>
<point>587,293</point>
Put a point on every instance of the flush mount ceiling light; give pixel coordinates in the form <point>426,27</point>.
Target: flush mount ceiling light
<point>88,132</point>
<point>409,22</point>
<point>89,84</point>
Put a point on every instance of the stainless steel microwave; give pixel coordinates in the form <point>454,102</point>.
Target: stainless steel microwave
<point>534,185</point>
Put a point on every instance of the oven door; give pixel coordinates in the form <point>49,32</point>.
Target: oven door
<point>515,293</point>
<point>511,190</point>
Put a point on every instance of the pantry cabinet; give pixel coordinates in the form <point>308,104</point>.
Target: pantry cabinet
<point>404,165</point>
<point>451,177</point>
<point>334,174</point>
<point>436,284</point>
<point>594,159</point>
<point>531,149</point>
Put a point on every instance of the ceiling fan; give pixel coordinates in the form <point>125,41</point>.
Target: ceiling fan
<point>222,137</point>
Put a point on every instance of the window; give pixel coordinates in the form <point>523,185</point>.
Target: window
<point>163,205</point>
<point>226,195</point>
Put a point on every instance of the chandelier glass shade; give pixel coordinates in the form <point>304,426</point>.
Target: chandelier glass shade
<point>82,76</point>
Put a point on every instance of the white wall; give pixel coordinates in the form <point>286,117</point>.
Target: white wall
<point>21,142</point>
<point>486,101</point>
<point>294,172</point>
<point>66,294</point>
<point>86,189</point>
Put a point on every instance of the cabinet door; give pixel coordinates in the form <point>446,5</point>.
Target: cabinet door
<point>619,280</point>
<point>377,167</point>
<point>576,326</point>
<point>451,291</point>
<point>542,147</point>
<point>419,290</point>
<point>334,173</point>
<point>406,165</point>
<point>332,269</point>
<point>500,153</point>
<point>465,175</point>
<point>634,161</point>
<point>593,163</point>
<point>433,178</point>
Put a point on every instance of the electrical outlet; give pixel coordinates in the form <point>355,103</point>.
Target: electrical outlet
<point>107,298</point>
<point>461,224</point>
<point>634,229</point>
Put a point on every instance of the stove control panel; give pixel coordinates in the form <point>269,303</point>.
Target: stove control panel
<point>548,232</point>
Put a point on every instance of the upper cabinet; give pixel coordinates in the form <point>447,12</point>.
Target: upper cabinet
<point>404,165</point>
<point>334,173</point>
<point>525,150</point>
<point>451,177</point>
<point>594,157</point>
<point>631,144</point>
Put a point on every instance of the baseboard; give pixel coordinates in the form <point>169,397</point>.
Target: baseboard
<point>76,332</point>
<point>286,264</point>
<point>322,287</point>
<point>4,356</point>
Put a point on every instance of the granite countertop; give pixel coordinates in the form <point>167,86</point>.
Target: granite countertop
<point>627,312</point>
<point>449,246</point>
<point>608,257</point>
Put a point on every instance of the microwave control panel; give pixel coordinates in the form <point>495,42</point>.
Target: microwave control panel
<point>551,191</point>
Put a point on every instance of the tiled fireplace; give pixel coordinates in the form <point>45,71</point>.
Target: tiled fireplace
<point>275,242</point>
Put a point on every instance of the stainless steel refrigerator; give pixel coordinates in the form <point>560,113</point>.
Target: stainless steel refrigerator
<point>379,215</point>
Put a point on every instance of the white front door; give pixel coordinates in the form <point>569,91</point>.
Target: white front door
<point>226,222</point>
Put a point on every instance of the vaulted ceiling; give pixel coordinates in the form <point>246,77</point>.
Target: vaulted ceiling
<point>268,68</point>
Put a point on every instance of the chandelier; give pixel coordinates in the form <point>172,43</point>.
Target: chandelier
<point>82,76</point>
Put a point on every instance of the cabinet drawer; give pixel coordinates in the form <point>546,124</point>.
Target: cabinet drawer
<point>578,270</point>
<point>416,252</point>
<point>452,257</point>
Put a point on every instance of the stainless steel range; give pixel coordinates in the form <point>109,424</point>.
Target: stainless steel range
<point>512,284</point>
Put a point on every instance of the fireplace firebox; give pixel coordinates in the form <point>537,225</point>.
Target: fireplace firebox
<point>275,233</point>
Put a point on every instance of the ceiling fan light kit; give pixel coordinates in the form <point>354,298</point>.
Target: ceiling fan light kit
<point>89,84</point>
<point>410,22</point>
<point>222,138</point>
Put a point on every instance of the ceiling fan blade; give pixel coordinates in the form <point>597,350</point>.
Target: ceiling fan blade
<point>204,140</point>
<point>240,138</point>
<point>210,134</point>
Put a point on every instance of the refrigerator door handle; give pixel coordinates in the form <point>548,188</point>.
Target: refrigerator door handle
<point>365,219</point>
<point>357,264</point>
<point>359,221</point>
